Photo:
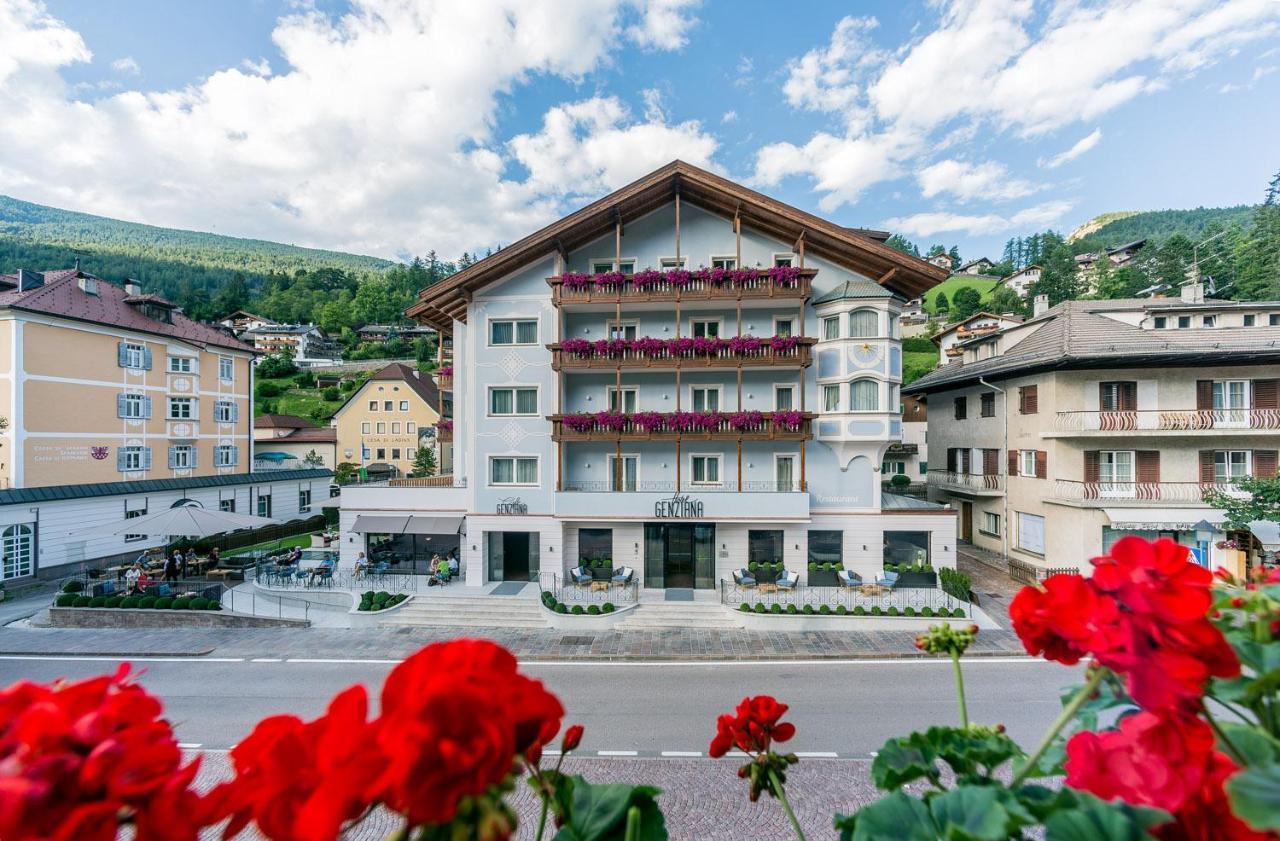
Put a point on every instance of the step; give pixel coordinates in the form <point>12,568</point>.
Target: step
<point>679,615</point>
<point>471,612</point>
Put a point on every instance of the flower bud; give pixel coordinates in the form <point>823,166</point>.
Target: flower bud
<point>572,738</point>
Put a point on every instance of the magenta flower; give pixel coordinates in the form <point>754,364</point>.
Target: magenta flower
<point>682,346</point>
<point>746,421</point>
<point>784,275</point>
<point>652,348</point>
<point>788,420</point>
<point>446,371</point>
<point>648,421</point>
<point>647,279</point>
<point>578,347</point>
<point>784,343</point>
<point>678,278</point>
<point>610,280</point>
<point>575,280</point>
<point>444,425</point>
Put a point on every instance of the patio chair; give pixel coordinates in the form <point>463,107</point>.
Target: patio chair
<point>890,580</point>
<point>580,576</point>
<point>849,578</point>
<point>326,576</point>
<point>623,575</point>
<point>788,580</point>
<point>743,578</point>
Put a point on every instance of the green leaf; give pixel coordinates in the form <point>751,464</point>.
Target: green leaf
<point>903,760</point>
<point>970,813</point>
<point>599,812</point>
<point>1254,744</point>
<point>1095,820</point>
<point>895,817</point>
<point>1255,795</point>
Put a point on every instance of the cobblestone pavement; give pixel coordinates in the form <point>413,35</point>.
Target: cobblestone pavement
<point>702,799</point>
<point>529,645</point>
<point>988,572</point>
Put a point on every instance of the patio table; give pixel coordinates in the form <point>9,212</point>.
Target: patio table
<point>872,590</point>
<point>600,585</point>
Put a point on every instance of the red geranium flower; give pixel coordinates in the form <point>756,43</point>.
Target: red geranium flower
<point>1155,578</point>
<point>752,728</point>
<point>572,738</point>
<point>1066,620</point>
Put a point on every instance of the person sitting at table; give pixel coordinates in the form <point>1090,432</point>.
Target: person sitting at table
<point>295,555</point>
<point>171,567</point>
<point>214,560</point>
<point>322,569</point>
<point>131,577</point>
<point>362,565</point>
<point>453,563</point>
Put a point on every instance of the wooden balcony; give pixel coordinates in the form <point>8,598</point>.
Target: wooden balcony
<point>954,351</point>
<point>634,428</point>
<point>1179,421</point>
<point>800,356</point>
<point>1102,493</point>
<point>444,382</point>
<point>444,432</point>
<point>762,287</point>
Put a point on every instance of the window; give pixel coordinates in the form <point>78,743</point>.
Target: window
<point>626,329</point>
<point>1118,396</point>
<point>826,547</point>
<point>961,408</point>
<point>404,405</point>
<point>366,428</point>
<point>513,332</point>
<point>1031,533</point>
<point>225,411</point>
<point>395,453</point>
<point>373,405</point>
<point>724,262</point>
<point>987,404</point>
<point>764,546</point>
<point>410,428</point>
<point>831,327</point>
<point>1274,319</point>
<point>671,263</point>
<point>133,458</point>
<point>134,356</point>
<point>1028,400</point>
<point>181,364</point>
<point>411,454</point>
<point>1230,394</point>
<point>1115,471</point>
<point>1184,321</point>
<point>388,405</point>
<point>228,504</point>
<point>705,398</point>
<point>1209,321</point>
<point>627,266</point>
<point>382,428</point>
<point>629,402</point>
<point>226,369</point>
<point>784,327</point>
<point>226,455</point>
<point>706,470</point>
<point>893,468</point>
<point>924,468</point>
<point>906,547</point>
<point>864,324</point>
<point>182,457</point>
<point>990,524</point>
<point>513,401</point>
<point>1229,465</point>
<point>132,510</point>
<point>264,505</point>
<point>304,500</point>
<point>1027,463</point>
<point>181,408</point>
<point>1249,320</point>
<point>601,266</point>
<point>704,328</point>
<point>864,396</point>
<point>18,544</point>
<point>595,544</point>
<point>133,406</point>
<point>787,259</point>
<point>784,398</point>
<point>1160,322</point>
<point>395,428</point>
<point>513,470</point>
<point>831,398</point>
<point>381,454</point>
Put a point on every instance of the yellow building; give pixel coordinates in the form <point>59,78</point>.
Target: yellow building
<point>101,383</point>
<point>387,419</point>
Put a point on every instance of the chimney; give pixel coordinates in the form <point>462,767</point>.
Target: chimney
<point>28,279</point>
<point>132,287</point>
<point>1193,293</point>
<point>1040,305</point>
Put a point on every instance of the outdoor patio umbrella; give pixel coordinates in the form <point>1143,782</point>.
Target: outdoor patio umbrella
<point>191,521</point>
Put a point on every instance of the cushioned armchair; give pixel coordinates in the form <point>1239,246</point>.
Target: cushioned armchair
<point>623,575</point>
<point>890,580</point>
<point>580,575</point>
<point>743,578</point>
<point>788,580</point>
<point>849,578</point>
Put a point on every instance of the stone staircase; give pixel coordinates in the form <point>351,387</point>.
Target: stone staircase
<point>667,615</point>
<point>469,612</point>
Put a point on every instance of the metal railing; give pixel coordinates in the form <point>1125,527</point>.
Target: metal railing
<point>269,605</point>
<point>967,481</point>
<point>292,578</point>
<point>446,480</point>
<point>1026,573</point>
<point>669,486</point>
<point>571,594</point>
<point>1176,492</point>
<point>287,464</point>
<point>733,595</point>
<point>1167,420</point>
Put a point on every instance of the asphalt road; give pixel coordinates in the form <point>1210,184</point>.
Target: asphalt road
<point>841,709</point>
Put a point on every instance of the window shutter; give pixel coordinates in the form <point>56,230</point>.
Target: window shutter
<point>122,358</point>
<point>121,400</point>
<point>1030,399</point>
<point>146,358</point>
<point>173,457</point>
<point>1091,468</point>
<point>1128,396</point>
<point>1206,467</point>
<point>235,411</point>
<point>194,457</point>
<point>1042,464</point>
<point>1102,397</point>
<point>1265,394</point>
<point>951,460</point>
<point>235,456</point>
<point>1204,395</point>
<point>1147,466</point>
<point>990,459</point>
<point>120,452</point>
<point>146,458</point>
<point>1013,463</point>
<point>1264,464</point>
<point>146,407</point>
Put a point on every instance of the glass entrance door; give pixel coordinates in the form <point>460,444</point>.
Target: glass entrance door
<point>678,569</point>
<point>513,555</point>
<point>680,555</point>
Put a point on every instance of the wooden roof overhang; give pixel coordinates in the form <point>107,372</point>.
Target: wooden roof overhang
<point>441,304</point>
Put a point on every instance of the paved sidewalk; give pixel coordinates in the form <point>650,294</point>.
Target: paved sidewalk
<point>989,577</point>
<point>539,644</point>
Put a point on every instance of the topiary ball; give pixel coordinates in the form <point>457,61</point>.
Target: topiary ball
<point>147,602</point>
<point>199,603</point>
<point>182,604</point>
<point>114,601</point>
<point>69,600</point>
<point>164,603</point>
<point>777,608</point>
<point>909,611</point>
<point>608,607</point>
<point>825,609</point>
<point>561,607</point>
<point>859,610</point>
<point>842,610</point>
<point>98,601</point>
<point>893,611</point>
<point>75,585</point>
<point>809,611</point>
<point>792,609</point>
<point>760,607</point>
<point>594,610</point>
<point>577,610</point>
<point>82,601</point>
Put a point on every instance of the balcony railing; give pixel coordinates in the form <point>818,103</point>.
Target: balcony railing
<point>286,464</point>
<point>1170,420</point>
<point>670,426</point>
<point>679,285</point>
<point>667,354</point>
<point>669,486</point>
<point>954,350</point>
<point>444,431</point>
<point>444,378</point>
<point>443,481</point>
<point>1145,492</point>
<point>977,482</point>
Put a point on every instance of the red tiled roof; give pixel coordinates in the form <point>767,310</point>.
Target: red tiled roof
<point>314,435</point>
<point>282,422</point>
<point>420,383</point>
<point>61,296</point>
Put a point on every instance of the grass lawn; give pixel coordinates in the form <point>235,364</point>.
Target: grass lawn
<point>950,286</point>
<point>915,364</point>
<point>302,541</point>
<point>303,402</point>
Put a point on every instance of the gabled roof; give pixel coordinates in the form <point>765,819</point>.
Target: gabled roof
<point>310,435</point>
<point>1025,269</point>
<point>421,384</point>
<point>243,314</point>
<point>1128,246</point>
<point>446,301</point>
<point>52,493</point>
<point>282,422</point>
<point>61,296</point>
<point>951,328</point>
<point>974,263</point>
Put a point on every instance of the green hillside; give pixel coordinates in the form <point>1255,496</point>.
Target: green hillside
<point>951,285</point>
<point>1158,225</point>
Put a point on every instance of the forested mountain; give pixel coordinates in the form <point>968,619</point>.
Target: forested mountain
<point>1159,225</point>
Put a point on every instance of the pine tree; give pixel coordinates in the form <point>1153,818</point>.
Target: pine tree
<point>424,463</point>
<point>901,243</point>
<point>1058,279</point>
<point>955,258</point>
<point>940,303</point>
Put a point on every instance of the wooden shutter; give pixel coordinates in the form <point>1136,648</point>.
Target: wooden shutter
<point>120,453</point>
<point>1091,469</point>
<point>146,358</point>
<point>1042,464</point>
<point>146,458</point>
<point>1204,395</point>
<point>1147,466</point>
<point>1029,400</point>
<point>1264,464</point>
<point>1206,467</point>
<point>173,458</point>
<point>1265,394</point>
<point>990,462</point>
<point>1128,396</point>
<point>1013,463</point>
<point>146,407</point>
<point>122,358</point>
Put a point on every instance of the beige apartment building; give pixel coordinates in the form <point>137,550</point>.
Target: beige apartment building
<point>1098,419</point>
<point>386,420</point>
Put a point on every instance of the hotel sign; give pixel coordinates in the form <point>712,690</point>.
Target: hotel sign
<point>677,507</point>
<point>512,505</point>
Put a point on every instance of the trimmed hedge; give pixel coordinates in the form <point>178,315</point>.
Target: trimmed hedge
<point>550,602</point>
<point>371,602</point>
<point>138,602</point>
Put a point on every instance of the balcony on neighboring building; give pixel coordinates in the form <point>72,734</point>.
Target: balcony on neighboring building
<point>973,484</point>
<point>444,431</point>
<point>954,351</point>
<point>646,287</point>
<point>1103,493</point>
<point>672,426</point>
<point>653,354</point>
<point>1164,422</point>
<point>444,378</point>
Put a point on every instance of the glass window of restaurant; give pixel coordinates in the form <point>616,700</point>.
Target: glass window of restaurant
<point>594,545</point>
<point>906,547</point>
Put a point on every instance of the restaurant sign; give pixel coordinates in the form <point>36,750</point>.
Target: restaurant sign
<point>677,507</point>
<point>512,505</point>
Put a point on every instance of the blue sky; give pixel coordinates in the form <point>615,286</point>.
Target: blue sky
<point>391,127</point>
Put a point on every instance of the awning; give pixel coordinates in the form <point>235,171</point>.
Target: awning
<point>273,456</point>
<point>370,524</point>
<point>1154,519</point>
<point>433,525</point>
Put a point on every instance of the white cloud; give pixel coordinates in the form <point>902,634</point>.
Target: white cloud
<point>1077,149</point>
<point>989,180</point>
<point>729,117</point>
<point>376,134</point>
<point>1259,73</point>
<point>827,79</point>
<point>127,65</point>
<point>928,224</point>
<point>663,24</point>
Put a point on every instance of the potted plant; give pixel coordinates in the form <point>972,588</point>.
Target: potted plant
<point>602,569</point>
<point>823,574</point>
<point>917,575</point>
<point>765,572</point>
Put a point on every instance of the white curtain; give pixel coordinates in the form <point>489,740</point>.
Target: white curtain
<point>864,396</point>
<point>502,471</point>
<point>527,471</point>
<point>501,333</point>
<point>527,401</point>
<point>864,324</point>
<point>500,402</point>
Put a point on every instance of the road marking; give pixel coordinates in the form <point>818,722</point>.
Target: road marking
<point>685,753</point>
<point>266,660</point>
<point>103,659</point>
<point>345,661</point>
<point>188,745</point>
<point>617,753</point>
<point>550,752</point>
<point>889,661</point>
<point>817,754</point>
